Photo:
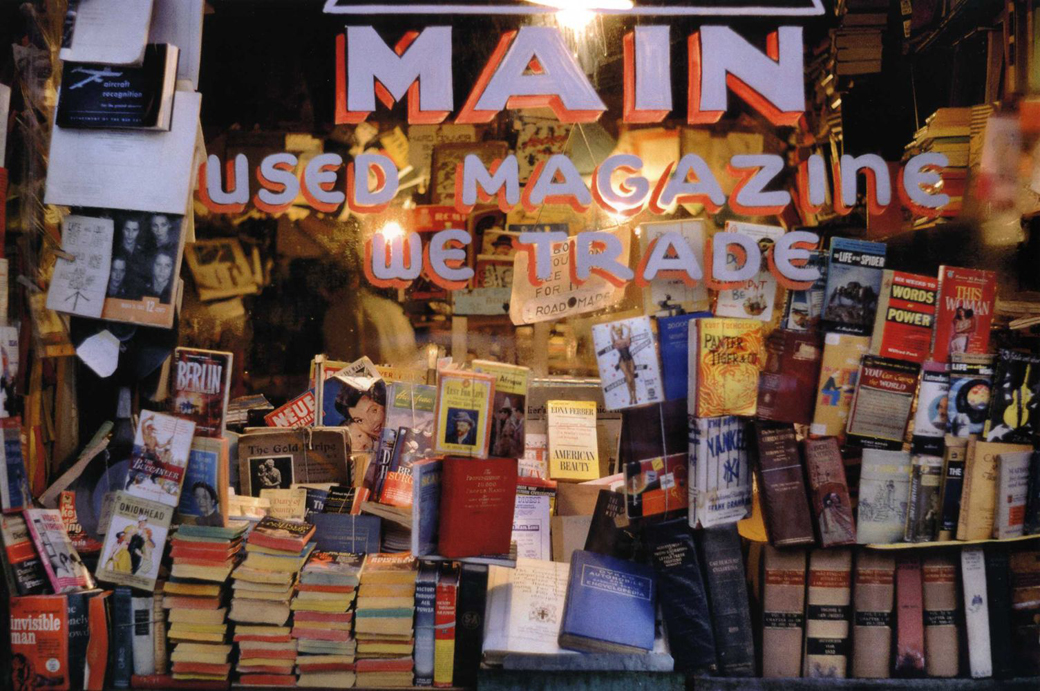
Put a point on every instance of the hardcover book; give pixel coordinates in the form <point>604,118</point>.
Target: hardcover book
<point>781,485</point>
<point>665,295</point>
<point>827,613</point>
<point>39,642</point>
<point>755,298</point>
<point>725,357</point>
<point>573,443</point>
<point>910,652</point>
<point>469,624</point>
<point>881,405</point>
<point>976,612</point>
<point>626,353</point>
<point>924,510</point>
<point>905,316</point>
<point>445,623</point>
<point>425,609</point>
<point>21,558</point>
<point>121,659</point>
<point>276,458</point>
<point>610,532</point>
<point>854,274</point>
<point>477,504</point>
<point>941,631</point>
<point>159,459</point>
<point>201,385</point>
<point>62,564</point>
<point>884,493</point>
<point>873,620</point>
<point>426,498</point>
<point>719,476</point>
<point>787,383</point>
<point>979,496</point>
<point>832,506</point>
<point>720,554</point>
<point>1014,398</point>
<point>204,497</point>
<point>134,542</point>
<point>783,611</point>
<point>962,322</point>
<point>656,486</point>
<point>971,381</point>
<point>1012,486</point>
<point>673,335</point>
<point>804,308</point>
<point>463,422</point>
<point>931,419</point>
<point>14,483</point>
<point>610,605</point>
<point>510,406</point>
<point>954,460</point>
<point>839,372</point>
<point>534,586</point>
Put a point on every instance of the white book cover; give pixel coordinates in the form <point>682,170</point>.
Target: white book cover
<point>127,169</point>
<point>884,493</point>
<point>976,611</point>
<point>720,478</point>
<point>159,459</point>
<point>144,635</point>
<point>525,608</point>
<point>629,370</point>
<point>112,32</point>
<point>179,22</point>
<point>60,559</point>
<point>665,295</point>
<point>1013,479</point>
<point>755,299</point>
<point>134,542</point>
<point>531,527</point>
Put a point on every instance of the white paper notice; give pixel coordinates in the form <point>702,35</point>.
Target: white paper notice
<point>100,353</point>
<point>531,527</point>
<point>112,32</point>
<point>179,22</point>
<point>79,283</point>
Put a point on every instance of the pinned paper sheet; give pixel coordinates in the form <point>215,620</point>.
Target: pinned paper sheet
<point>100,353</point>
<point>81,275</point>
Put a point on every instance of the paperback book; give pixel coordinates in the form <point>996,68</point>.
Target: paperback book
<point>134,542</point>
<point>965,312</point>
<point>1014,398</point>
<point>881,405</point>
<point>510,406</point>
<point>804,308</point>
<point>673,335</point>
<point>464,410</point>
<point>159,459</point>
<point>14,483</point>
<point>854,275</point>
<point>971,383</point>
<point>884,493</point>
<point>754,299</point>
<point>60,560</point>
<point>931,419</point>
<point>839,372</point>
<point>829,491</point>
<point>725,357</point>
<point>39,643</point>
<point>656,486</point>
<point>667,295</point>
<point>204,498</point>
<point>628,369</point>
<point>720,480</point>
<point>905,316</point>
<point>573,444</point>
<point>26,569</point>
<point>201,384</point>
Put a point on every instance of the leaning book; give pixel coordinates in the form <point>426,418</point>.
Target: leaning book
<point>854,274</point>
<point>629,371</point>
<point>134,542</point>
<point>160,458</point>
<point>201,384</point>
<point>463,418</point>
<point>61,562</point>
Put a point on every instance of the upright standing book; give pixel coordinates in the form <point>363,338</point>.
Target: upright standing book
<point>463,422</point>
<point>976,612</point>
<point>884,492</point>
<point>21,558</point>
<point>510,406</point>
<point>719,549</point>
<point>425,616</point>
<point>629,372</point>
<point>804,308</point>
<point>781,484</point>
<point>962,321</point>
<point>827,601</point>
<point>719,476</point>
<point>979,496</point>
<point>14,482</point>
<point>787,383</point>
<point>910,652</point>
<point>873,597</point>
<point>783,611</point>
<point>755,298</point>
<point>854,275</point>
<point>201,384</point>
<point>445,623</point>
<point>941,630</point>
<point>1012,488</point>
<point>881,405</point>
<point>998,588</point>
<point>924,510</point>
<point>204,497</point>
<point>673,336</point>
<point>954,459</point>
<point>839,372</point>
<point>573,443</point>
<point>971,383</point>
<point>159,459</point>
<point>469,624</point>
<point>666,294</point>
<point>134,542</point>
<point>905,316</point>
<point>39,640</point>
<point>725,357</point>
<point>1014,398</point>
<point>477,504</point>
<point>931,419</point>
<point>829,490</point>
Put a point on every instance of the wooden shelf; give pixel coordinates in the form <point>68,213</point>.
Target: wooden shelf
<point>949,543</point>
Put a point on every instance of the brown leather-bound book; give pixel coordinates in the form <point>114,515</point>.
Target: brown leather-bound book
<point>829,491</point>
<point>941,638</point>
<point>827,613</point>
<point>872,633</point>
<point>787,384</point>
<point>783,611</point>
<point>781,482</point>
<point>910,654</point>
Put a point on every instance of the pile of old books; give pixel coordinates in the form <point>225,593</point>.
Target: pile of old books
<point>323,619</point>
<point>383,621</point>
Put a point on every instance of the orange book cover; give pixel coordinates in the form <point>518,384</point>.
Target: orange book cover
<point>39,642</point>
<point>725,360</point>
<point>97,645</point>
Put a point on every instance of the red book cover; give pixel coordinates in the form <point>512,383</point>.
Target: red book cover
<point>186,602</point>
<point>202,668</point>
<point>787,383</point>
<point>905,316</point>
<point>275,533</point>
<point>832,506</point>
<point>444,627</point>
<point>97,645</point>
<point>201,382</point>
<point>320,634</point>
<point>962,321</point>
<point>266,679</point>
<point>392,664</point>
<point>39,642</point>
<point>302,616</point>
<point>478,497</point>
<point>909,618</point>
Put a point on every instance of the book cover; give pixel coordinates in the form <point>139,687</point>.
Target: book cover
<point>884,493</point>
<point>725,357</point>
<point>839,372</point>
<point>955,458</point>
<point>510,407</point>
<point>204,496</point>
<point>829,491</point>
<point>60,560</point>
<point>608,423</point>
<point>854,274</point>
<point>881,404</point>
<point>754,299</point>
<point>673,336</point>
<point>21,558</point>
<point>666,295</point>
<point>14,483</point>
<point>444,626</point>
<point>39,652</point>
<point>276,458</point>
<point>1012,487</point>
<point>134,542</point>
<point>684,601</point>
<point>159,459</point>
<point>425,611</point>
<point>464,412</point>
<point>976,612</point>
<point>531,526</point>
<point>524,609</point>
<point>971,382</point>
<point>610,605</point>
<point>803,309</point>
<point>941,615</point>
<point>965,312</point>
<point>79,633</point>
<point>290,504</point>
<point>573,440</point>
<point>905,316</point>
<point>610,532</point>
<point>656,486</point>
<point>340,532</point>
<point>719,549</point>
<point>781,484</point>
<point>629,372</point>
<point>783,611</point>
<point>827,613</point>
<point>1014,398</point>
<point>200,387</point>
<point>924,510</point>
<point>279,534</point>
<point>910,652</point>
<point>298,412</point>
<point>426,498</point>
<point>477,504</point>
<point>719,476</point>
<point>787,383</point>
<point>979,500</point>
<point>873,620</point>
<point>931,419</point>
<point>469,623</point>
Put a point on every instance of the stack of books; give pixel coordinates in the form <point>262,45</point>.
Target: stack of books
<point>859,39</point>
<point>383,620</point>
<point>276,550</point>
<point>323,619</point>
<point>948,131</point>
<point>195,595</point>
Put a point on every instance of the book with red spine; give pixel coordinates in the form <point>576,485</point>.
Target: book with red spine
<point>478,498</point>
<point>39,639</point>
<point>910,656</point>
<point>905,316</point>
<point>444,627</point>
<point>200,385</point>
<point>276,533</point>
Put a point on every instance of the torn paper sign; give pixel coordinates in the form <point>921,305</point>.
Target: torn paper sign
<point>81,275</point>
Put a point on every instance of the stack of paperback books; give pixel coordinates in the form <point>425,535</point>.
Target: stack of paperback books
<point>323,619</point>
<point>195,594</point>
<point>383,621</point>
<point>276,550</point>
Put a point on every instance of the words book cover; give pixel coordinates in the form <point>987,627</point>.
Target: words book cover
<point>464,401</point>
<point>134,542</point>
<point>754,299</point>
<point>628,368</point>
<point>725,359</point>
<point>201,385</point>
<point>905,316</point>
<point>854,275</point>
<point>881,405</point>
<point>965,312</point>
<point>160,457</point>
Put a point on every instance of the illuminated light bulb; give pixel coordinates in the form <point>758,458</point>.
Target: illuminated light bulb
<point>392,230</point>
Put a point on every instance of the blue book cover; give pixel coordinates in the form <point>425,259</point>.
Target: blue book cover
<point>122,649</point>
<point>673,334</point>
<point>315,502</point>
<point>804,308</point>
<point>425,603</point>
<point>610,605</point>
<point>79,635</point>
<point>14,483</point>
<point>341,532</point>
<point>854,273</point>
<point>426,500</point>
<point>199,497</point>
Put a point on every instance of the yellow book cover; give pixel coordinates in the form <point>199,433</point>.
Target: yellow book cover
<point>200,628</point>
<point>251,575</point>
<point>201,616</point>
<point>194,589</point>
<point>213,658</point>
<point>463,413</point>
<point>320,605</point>
<point>290,504</point>
<point>384,626</point>
<point>979,505</point>
<point>269,562</point>
<point>382,589</point>
<point>202,573</point>
<point>177,635</point>
<point>725,359</point>
<point>509,408</point>
<point>573,444</point>
<point>839,370</point>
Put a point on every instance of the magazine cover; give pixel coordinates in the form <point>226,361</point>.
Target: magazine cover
<point>159,458</point>
<point>628,368</point>
<point>971,381</point>
<point>14,484</point>
<point>755,299</point>
<point>804,308</point>
<point>413,407</point>
<point>60,560</point>
<point>965,312</point>
<point>463,423</point>
<point>656,486</point>
<point>355,398</point>
<point>134,542</point>
<point>39,643</point>
<point>1015,399</point>
<point>881,405</point>
<point>854,275</point>
<point>931,419</point>
<point>665,296</point>
<point>510,407</point>
<point>204,499</point>
<point>201,385</point>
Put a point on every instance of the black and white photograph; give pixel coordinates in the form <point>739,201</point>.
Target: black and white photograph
<point>270,472</point>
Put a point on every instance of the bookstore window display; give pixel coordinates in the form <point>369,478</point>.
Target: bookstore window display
<point>407,358</point>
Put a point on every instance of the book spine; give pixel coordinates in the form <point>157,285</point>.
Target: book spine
<point>969,473</point>
<point>952,485</point>
<point>922,516</point>
<point>872,627</point>
<point>941,635</point>
<point>783,612</point>
<point>782,484</point>
<point>143,636</point>
<point>910,617</point>
<point>827,610</point>
<point>998,588</point>
<point>976,612</point>
<point>469,623</point>
<point>444,633</point>
<point>78,635</point>
<point>425,608</point>
<point>830,492</point>
<point>1031,521</point>
<point>159,632</point>
<point>723,564</point>
<point>122,638</point>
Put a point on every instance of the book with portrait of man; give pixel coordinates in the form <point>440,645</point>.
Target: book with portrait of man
<point>463,426</point>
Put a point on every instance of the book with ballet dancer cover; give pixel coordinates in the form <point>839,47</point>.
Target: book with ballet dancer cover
<point>629,371</point>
